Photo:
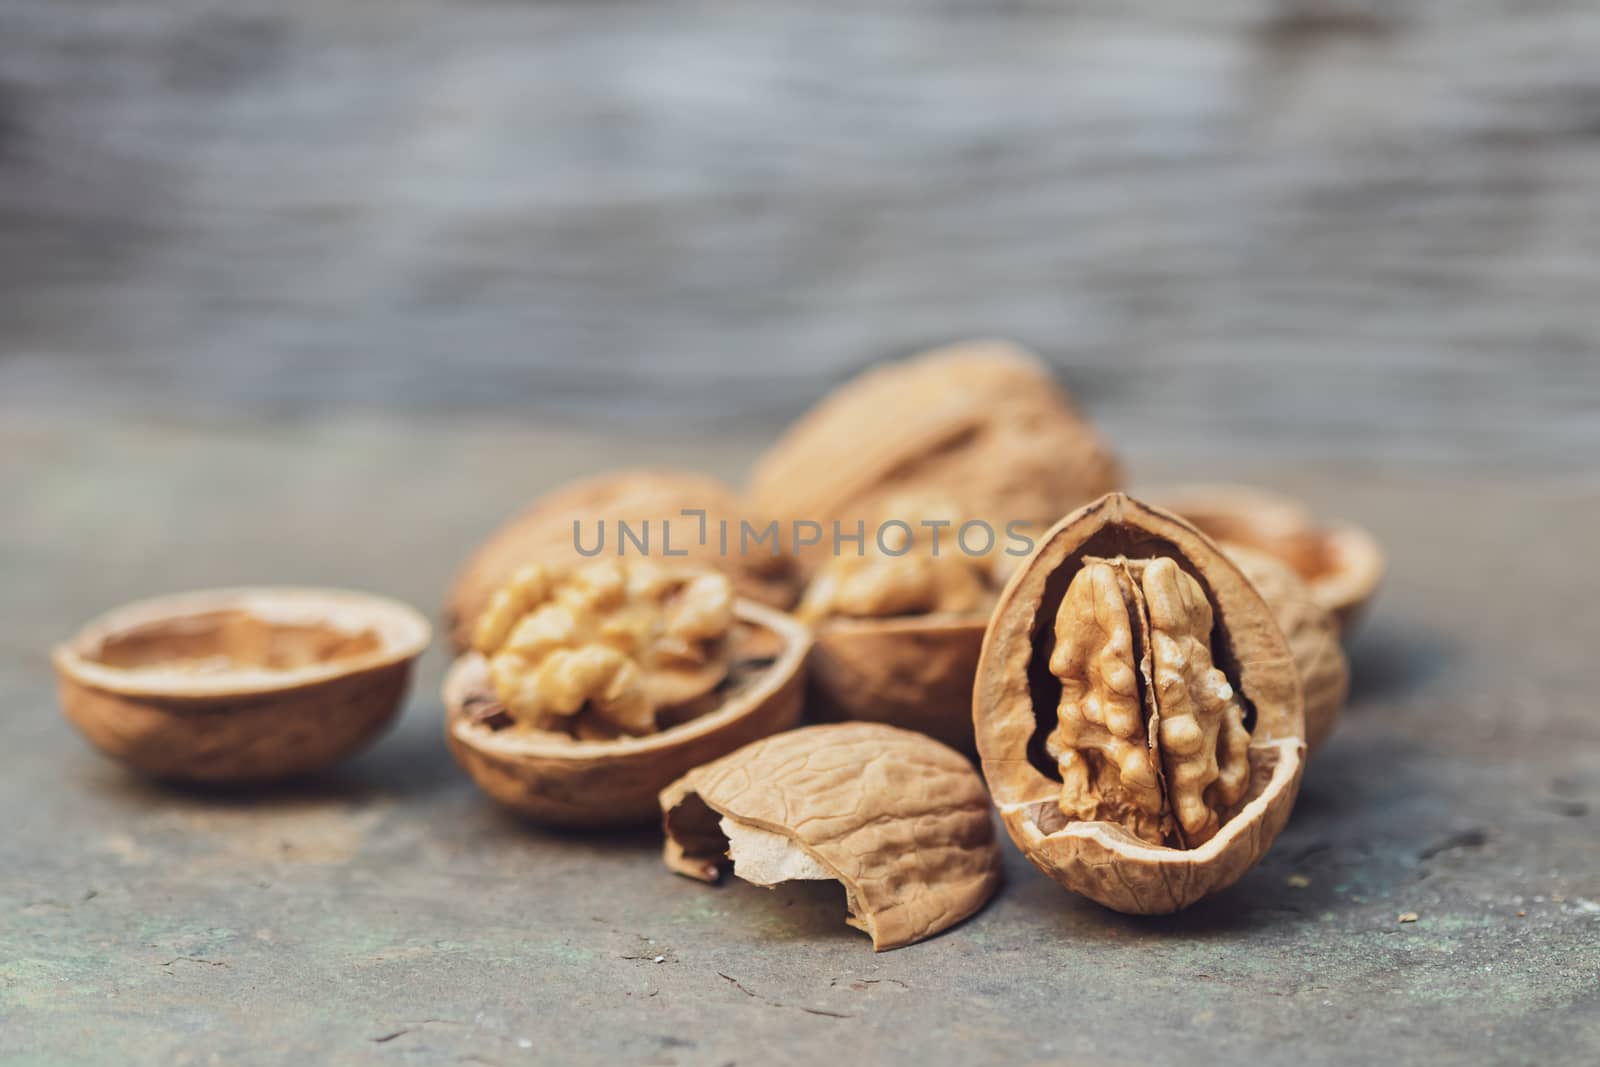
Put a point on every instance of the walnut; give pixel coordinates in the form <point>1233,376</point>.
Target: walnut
<point>876,586</point>
<point>1138,711</point>
<point>908,573</point>
<point>983,422</point>
<point>234,686</point>
<point>898,628</point>
<point>602,649</point>
<point>543,533</point>
<point>1341,564</point>
<point>900,820</point>
<point>1163,758</point>
<point>1313,634</point>
<point>614,686</point>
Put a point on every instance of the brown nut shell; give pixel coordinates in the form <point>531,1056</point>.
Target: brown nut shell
<point>1013,702</point>
<point>983,424</point>
<point>1313,635</point>
<point>914,672</point>
<point>234,686</point>
<point>543,533</point>
<point>1341,564</point>
<point>555,779</point>
<point>902,822</point>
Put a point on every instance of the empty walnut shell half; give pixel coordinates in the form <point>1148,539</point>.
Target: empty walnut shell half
<point>1341,564</point>
<point>543,533</point>
<point>1313,635</point>
<point>984,423</point>
<point>239,685</point>
<point>901,821</point>
<point>1138,711</point>
<point>564,781</point>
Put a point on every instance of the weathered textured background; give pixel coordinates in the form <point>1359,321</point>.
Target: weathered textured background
<point>318,290</point>
<point>1348,226</point>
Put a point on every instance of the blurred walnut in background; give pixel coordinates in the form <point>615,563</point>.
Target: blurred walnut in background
<point>983,423</point>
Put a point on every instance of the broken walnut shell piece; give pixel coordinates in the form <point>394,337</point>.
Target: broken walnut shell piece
<point>1313,635</point>
<point>983,422</point>
<point>1138,712</point>
<point>1341,564</point>
<point>557,779</point>
<point>543,533</point>
<point>901,821</point>
<point>236,686</point>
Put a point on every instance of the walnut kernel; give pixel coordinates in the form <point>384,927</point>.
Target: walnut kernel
<point>603,649</point>
<point>586,772</point>
<point>1164,759</point>
<point>688,510</point>
<point>905,571</point>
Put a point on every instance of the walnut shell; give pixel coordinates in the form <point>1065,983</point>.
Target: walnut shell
<point>1013,710</point>
<point>984,424</point>
<point>555,779</point>
<point>1313,635</point>
<point>239,685</point>
<point>899,820</point>
<point>914,672</point>
<point>1341,564</point>
<point>543,533</point>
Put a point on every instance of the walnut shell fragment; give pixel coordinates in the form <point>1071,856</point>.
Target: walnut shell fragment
<point>564,780</point>
<point>1341,564</point>
<point>984,422</point>
<point>1313,635</point>
<point>901,821</point>
<point>234,686</point>
<point>1138,711</point>
<point>543,533</point>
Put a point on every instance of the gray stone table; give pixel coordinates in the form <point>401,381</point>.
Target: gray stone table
<point>387,913</point>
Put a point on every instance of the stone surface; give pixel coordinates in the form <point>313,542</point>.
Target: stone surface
<point>386,913</point>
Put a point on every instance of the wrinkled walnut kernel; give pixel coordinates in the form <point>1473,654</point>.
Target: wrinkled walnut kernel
<point>916,570</point>
<point>609,648</point>
<point>1150,733</point>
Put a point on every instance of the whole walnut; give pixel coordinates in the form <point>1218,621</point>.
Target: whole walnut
<point>984,423</point>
